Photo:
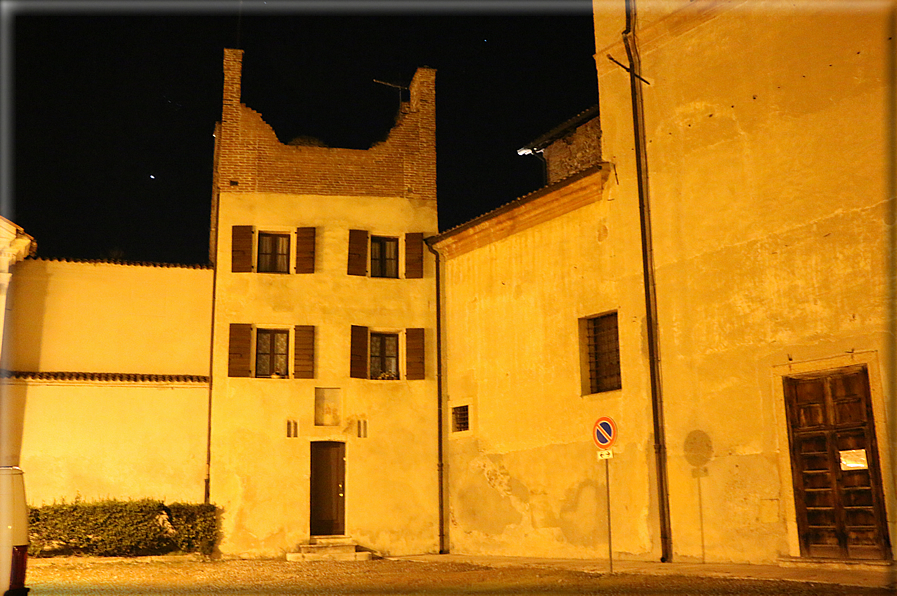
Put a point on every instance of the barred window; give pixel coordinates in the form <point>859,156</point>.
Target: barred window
<point>460,419</point>
<point>601,354</point>
<point>274,253</point>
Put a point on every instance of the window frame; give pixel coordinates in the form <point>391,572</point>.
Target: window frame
<point>380,338</point>
<point>267,262</point>
<point>601,370</point>
<point>380,264</point>
<point>272,333</point>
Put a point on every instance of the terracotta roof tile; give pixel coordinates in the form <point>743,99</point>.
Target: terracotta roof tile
<point>102,377</point>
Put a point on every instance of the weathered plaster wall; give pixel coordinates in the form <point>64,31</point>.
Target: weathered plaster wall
<point>108,317</point>
<point>768,169</point>
<point>525,479</point>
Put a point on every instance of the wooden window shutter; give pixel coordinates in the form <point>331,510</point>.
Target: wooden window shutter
<point>241,249</point>
<point>414,255</point>
<point>304,352</point>
<point>415,368</point>
<point>305,250</point>
<point>358,252</point>
<point>358,353</point>
<point>239,350</point>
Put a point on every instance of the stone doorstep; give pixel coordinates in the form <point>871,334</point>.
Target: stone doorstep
<point>329,548</point>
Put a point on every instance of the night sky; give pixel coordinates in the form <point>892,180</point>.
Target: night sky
<point>113,112</point>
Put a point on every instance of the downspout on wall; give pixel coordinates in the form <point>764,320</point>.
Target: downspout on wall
<point>440,456</point>
<point>638,127</point>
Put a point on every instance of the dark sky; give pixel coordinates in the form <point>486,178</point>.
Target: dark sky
<point>113,105</point>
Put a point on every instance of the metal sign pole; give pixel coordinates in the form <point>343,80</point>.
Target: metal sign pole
<point>610,550</point>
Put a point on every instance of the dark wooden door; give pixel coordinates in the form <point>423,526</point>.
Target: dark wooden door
<point>835,468</point>
<point>328,478</point>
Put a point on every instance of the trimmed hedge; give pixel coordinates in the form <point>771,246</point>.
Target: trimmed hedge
<point>111,528</point>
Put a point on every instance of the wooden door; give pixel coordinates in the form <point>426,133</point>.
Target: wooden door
<point>835,468</point>
<point>328,477</point>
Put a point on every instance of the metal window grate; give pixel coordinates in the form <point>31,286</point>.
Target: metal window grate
<point>604,354</point>
<point>460,419</point>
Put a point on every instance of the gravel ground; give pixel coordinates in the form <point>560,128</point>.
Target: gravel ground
<point>188,576</point>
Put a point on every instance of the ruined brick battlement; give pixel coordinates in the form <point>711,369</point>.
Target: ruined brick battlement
<point>250,158</point>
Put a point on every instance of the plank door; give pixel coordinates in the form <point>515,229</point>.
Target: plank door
<point>328,478</point>
<point>835,468</point>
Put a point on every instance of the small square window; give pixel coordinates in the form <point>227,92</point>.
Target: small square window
<point>460,419</point>
<point>384,257</point>
<point>271,353</point>
<point>274,253</point>
<point>600,345</point>
<point>385,356</point>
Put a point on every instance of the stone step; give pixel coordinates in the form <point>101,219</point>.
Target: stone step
<point>326,548</point>
<point>327,556</point>
<point>341,539</point>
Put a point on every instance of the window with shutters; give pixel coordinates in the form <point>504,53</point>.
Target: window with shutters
<point>270,252</point>
<point>271,353</point>
<point>274,253</point>
<point>384,254</point>
<point>600,354</point>
<point>376,355</point>
<point>384,257</point>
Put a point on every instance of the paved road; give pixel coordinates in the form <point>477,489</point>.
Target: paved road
<point>187,576</point>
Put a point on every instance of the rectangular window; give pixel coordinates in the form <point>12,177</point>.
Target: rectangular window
<point>600,344</point>
<point>384,257</point>
<point>274,253</point>
<point>460,419</point>
<point>272,350</point>
<point>384,356</point>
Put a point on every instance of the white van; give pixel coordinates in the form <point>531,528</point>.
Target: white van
<point>13,532</point>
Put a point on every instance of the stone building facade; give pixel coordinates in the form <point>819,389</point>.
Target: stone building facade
<point>709,266</point>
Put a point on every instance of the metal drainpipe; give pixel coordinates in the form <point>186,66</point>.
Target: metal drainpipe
<point>638,122</point>
<point>443,549</point>
<point>207,492</point>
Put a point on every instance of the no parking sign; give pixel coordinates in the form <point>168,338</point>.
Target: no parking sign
<point>604,433</point>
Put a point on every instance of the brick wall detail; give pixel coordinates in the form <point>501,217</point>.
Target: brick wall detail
<point>250,158</point>
<point>578,150</point>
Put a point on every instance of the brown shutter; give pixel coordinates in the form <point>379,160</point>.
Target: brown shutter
<point>414,255</point>
<point>240,348</point>
<point>241,249</point>
<point>414,354</point>
<point>358,354</point>
<point>358,252</point>
<point>305,250</point>
<point>304,352</point>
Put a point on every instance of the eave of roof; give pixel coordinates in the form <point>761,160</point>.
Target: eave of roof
<point>516,203</point>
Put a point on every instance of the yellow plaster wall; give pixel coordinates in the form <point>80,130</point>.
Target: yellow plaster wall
<point>108,440</point>
<point>768,163</point>
<point>525,479</point>
<point>259,476</point>
<point>106,317</point>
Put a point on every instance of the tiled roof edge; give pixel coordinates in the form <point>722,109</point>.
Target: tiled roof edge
<point>97,376</point>
<point>517,202</point>
<point>122,263</point>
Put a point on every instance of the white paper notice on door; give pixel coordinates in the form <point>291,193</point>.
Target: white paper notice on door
<point>854,459</point>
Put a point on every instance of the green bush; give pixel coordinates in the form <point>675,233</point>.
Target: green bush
<point>111,528</point>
